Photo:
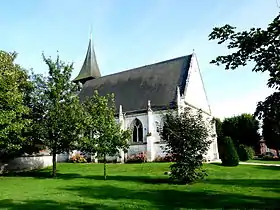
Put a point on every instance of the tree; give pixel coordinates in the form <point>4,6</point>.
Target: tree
<point>58,116</point>
<point>105,136</point>
<point>243,129</point>
<point>13,110</point>
<point>187,138</point>
<point>259,45</point>
<point>230,156</point>
<point>269,111</point>
<point>263,47</point>
<point>220,135</point>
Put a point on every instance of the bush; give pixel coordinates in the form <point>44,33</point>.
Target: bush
<point>242,153</point>
<point>187,138</point>
<point>166,158</point>
<point>77,158</point>
<point>251,152</point>
<point>159,159</point>
<point>138,158</point>
<point>245,153</point>
<point>230,156</point>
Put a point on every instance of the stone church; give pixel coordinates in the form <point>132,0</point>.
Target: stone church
<point>143,94</point>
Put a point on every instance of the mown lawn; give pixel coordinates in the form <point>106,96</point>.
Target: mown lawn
<point>141,186</point>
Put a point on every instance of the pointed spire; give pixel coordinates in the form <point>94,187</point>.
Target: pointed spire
<point>90,69</point>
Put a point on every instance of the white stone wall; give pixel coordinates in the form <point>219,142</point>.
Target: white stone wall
<point>159,151</point>
<point>155,147</point>
<point>135,149</point>
<point>29,163</point>
<point>144,120</point>
<point>195,91</point>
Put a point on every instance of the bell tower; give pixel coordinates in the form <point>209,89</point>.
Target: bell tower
<point>90,69</point>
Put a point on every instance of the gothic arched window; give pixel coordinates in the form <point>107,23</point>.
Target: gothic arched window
<point>137,131</point>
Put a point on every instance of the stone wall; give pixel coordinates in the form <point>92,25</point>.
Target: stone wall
<point>35,162</point>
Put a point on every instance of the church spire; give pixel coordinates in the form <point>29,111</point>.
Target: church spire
<point>90,69</point>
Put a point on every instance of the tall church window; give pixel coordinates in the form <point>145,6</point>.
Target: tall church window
<point>137,131</point>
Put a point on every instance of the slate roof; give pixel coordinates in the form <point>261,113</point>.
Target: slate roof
<point>90,69</point>
<point>133,88</point>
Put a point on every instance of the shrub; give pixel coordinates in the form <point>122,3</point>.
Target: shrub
<point>77,158</point>
<point>186,136</point>
<point>230,156</point>
<point>245,152</point>
<point>159,159</point>
<point>138,158</point>
<point>251,152</point>
<point>166,158</point>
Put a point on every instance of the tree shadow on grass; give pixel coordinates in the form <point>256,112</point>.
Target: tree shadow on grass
<point>268,184</point>
<point>173,199</point>
<point>44,174</point>
<point>273,168</point>
<point>49,204</point>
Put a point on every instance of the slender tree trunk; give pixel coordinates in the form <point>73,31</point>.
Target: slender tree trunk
<point>104,162</point>
<point>54,163</point>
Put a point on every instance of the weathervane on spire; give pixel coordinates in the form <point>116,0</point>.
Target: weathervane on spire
<point>90,34</point>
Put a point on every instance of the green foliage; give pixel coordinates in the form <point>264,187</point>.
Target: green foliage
<point>58,116</point>
<point>220,134</point>
<point>187,137</point>
<point>269,112</point>
<point>245,153</point>
<point>251,152</point>
<point>13,110</point>
<point>261,46</point>
<point>230,156</point>
<point>105,136</point>
<point>258,45</point>
<point>243,129</point>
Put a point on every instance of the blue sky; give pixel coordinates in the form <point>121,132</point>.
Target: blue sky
<point>131,33</point>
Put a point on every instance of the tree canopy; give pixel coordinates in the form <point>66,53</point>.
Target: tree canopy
<point>261,46</point>
<point>59,117</point>
<point>269,111</point>
<point>243,129</point>
<point>188,138</point>
<point>13,109</point>
<point>104,134</point>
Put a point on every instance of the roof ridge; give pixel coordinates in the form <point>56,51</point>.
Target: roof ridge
<point>152,64</point>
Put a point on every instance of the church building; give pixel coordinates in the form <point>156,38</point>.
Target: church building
<point>143,94</point>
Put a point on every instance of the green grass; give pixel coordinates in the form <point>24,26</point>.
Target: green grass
<point>264,161</point>
<point>140,186</point>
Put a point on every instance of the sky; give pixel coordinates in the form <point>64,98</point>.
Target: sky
<point>129,34</point>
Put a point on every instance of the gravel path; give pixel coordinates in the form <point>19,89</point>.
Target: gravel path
<point>245,163</point>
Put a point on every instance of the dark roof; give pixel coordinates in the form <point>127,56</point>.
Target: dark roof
<point>133,88</point>
<point>90,69</point>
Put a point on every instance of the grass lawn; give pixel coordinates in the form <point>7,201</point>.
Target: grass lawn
<point>141,186</point>
<point>264,161</point>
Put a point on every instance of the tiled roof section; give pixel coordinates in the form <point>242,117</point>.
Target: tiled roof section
<point>133,88</point>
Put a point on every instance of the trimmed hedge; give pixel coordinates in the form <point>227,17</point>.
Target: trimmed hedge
<point>230,156</point>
